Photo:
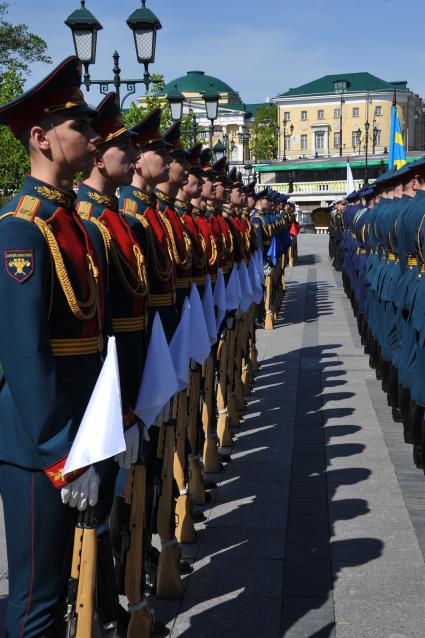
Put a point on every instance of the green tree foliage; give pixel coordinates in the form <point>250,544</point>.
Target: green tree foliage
<point>153,100</point>
<point>18,46</point>
<point>264,142</point>
<point>14,160</point>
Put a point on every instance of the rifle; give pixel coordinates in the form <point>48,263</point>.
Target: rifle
<point>185,531</point>
<point>80,604</point>
<point>169,585</point>
<point>141,621</point>
<point>223,423</point>
<point>195,471</point>
<point>268,303</point>
<point>231,353</point>
<point>211,461</point>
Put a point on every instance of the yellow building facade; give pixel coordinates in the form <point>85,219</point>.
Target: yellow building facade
<point>344,114</point>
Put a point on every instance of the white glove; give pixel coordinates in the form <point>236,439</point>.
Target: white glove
<point>129,457</point>
<point>82,491</point>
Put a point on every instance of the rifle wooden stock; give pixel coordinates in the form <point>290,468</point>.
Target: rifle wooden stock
<point>210,455</point>
<point>223,423</point>
<point>84,566</point>
<point>169,585</point>
<point>195,470</point>
<point>246,369</point>
<point>140,624</point>
<point>185,530</point>
<point>268,304</point>
<point>252,350</point>
<point>232,407</point>
<point>240,364</point>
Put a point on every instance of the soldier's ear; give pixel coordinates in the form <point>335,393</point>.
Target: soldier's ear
<point>98,159</point>
<point>38,138</point>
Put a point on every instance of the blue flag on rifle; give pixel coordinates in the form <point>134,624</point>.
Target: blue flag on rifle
<point>397,152</point>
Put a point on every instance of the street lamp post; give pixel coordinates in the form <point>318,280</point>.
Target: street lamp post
<point>84,27</point>
<point>243,138</point>
<point>219,150</point>
<point>175,99</point>
<point>340,87</point>
<point>291,130</point>
<point>359,138</point>
<point>366,148</point>
<point>211,99</point>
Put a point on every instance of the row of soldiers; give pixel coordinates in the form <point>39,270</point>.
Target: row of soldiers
<point>379,244</point>
<point>78,270</point>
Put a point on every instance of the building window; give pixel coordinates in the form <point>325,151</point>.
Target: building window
<point>356,111</point>
<point>337,140</point>
<point>355,139</point>
<point>320,114</point>
<point>320,141</point>
<point>378,110</point>
<point>303,142</point>
<point>377,136</point>
<point>337,113</point>
<point>287,143</point>
<point>304,115</point>
<point>287,115</point>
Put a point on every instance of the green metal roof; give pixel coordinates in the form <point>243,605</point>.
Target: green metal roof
<point>317,166</point>
<point>357,82</point>
<point>197,82</point>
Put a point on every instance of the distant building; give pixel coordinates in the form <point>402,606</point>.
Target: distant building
<point>318,118</point>
<point>234,121</point>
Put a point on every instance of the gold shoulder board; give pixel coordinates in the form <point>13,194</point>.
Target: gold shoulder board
<point>27,207</point>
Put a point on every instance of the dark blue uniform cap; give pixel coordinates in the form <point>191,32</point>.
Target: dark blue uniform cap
<point>418,165</point>
<point>262,194</point>
<point>351,197</point>
<point>148,133</point>
<point>109,123</point>
<point>173,136</point>
<point>283,198</point>
<point>58,92</point>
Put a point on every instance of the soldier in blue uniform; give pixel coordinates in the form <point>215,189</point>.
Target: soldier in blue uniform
<point>126,294</point>
<point>50,347</point>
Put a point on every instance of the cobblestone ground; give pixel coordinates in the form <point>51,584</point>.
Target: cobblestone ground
<point>317,528</point>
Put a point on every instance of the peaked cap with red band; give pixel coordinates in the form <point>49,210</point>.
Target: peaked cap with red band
<point>173,136</point>
<point>205,160</point>
<point>58,92</point>
<point>109,123</point>
<point>194,159</point>
<point>220,167</point>
<point>235,178</point>
<point>148,131</point>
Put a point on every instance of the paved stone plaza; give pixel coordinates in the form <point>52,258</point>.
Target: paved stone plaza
<point>318,527</point>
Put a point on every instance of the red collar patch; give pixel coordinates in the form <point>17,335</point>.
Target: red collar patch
<point>19,264</point>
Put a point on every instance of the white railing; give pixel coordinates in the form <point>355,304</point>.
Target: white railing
<point>310,188</point>
<point>322,230</point>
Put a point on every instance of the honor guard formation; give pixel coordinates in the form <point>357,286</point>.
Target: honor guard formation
<point>377,240</point>
<point>174,277</point>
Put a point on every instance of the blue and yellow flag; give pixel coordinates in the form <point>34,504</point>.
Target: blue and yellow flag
<point>397,152</point>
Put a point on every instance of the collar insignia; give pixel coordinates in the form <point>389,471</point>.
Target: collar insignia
<point>104,200</point>
<point>54,195</point>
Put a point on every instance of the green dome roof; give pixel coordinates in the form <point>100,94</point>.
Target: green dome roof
<point>197,82</point>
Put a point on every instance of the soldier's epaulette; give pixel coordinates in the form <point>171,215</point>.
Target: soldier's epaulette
<point>129,207</point>
<point>27,207</point>
<point>85,210</point>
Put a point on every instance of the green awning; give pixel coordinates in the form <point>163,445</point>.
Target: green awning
<point>317,166</point>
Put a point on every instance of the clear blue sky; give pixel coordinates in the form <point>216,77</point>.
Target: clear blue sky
<point>259,47</point>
